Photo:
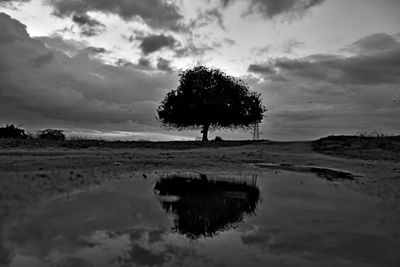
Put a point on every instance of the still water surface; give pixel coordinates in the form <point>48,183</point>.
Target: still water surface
<point>275,219</point>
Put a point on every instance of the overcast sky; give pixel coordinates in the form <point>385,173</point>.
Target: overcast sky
<point>95,67</point>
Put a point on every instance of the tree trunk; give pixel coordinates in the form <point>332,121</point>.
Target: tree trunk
<point>205,132</point>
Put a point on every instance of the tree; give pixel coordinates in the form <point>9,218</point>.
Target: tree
<point>208,99</point>
<point>51,134</point>
<point>10,131</point>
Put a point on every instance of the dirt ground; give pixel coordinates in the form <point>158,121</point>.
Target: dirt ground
<point>32,173</point>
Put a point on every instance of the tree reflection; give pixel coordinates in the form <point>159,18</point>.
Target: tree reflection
<point>206,207</point>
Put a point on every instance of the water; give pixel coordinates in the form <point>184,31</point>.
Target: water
<point>278,219</point>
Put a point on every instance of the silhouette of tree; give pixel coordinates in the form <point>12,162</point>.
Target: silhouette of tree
<point>10,131</point>
<point>51,134</point>
<point>208,99</point>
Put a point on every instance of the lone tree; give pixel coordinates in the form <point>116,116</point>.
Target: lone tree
<point>208,99</point>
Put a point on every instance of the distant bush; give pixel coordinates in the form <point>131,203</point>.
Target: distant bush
<point>51,134</point>
<point>218,138</point>
<point>10,131</point>
<point>373,134</point>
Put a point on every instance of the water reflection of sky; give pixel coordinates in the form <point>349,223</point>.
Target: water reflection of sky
<point>301,221</point>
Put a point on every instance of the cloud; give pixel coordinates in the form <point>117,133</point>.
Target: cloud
<point>229,42</point>
<point>43,59</point>
<point>286,47</point>
<point>57,42</point>
<point>375,63</point>
<point>88,26</point>
<point>46,85</point>
<point>153,43</point>
<point>159,14</point>
<point>9,3</point>
<point>375,43</point>
<point>272,8</point>
<point>289,45</point>
<point>205,17</point>
<point>195,48</point>
<point>144,62</point>
<point>10,35</point>
<point>96,50</point>
<point>164,64</point>
<point>264,69</point>
<point>326,94</point>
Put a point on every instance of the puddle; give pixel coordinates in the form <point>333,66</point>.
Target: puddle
<point>282,219</point>
<point>204,207</point>
<point>329,174</point>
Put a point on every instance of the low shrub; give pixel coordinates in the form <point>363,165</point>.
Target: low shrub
<point>10,131</point>
<point>51,134</point>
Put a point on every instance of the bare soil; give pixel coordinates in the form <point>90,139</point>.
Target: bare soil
<point>29,172</point>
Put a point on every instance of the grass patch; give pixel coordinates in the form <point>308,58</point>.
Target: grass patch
<point>85,143</point>
<point>364,146</point>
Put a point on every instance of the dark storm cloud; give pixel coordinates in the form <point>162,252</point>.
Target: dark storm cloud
<point>10,35</point>
<point>123,63</point>
<point>374,43</point>
<point>164,64</point>
<point>144,62</point>
<point>265,69</point>
<point>50,86</point>
<point>380,66</point>
<point>96,50</point>
<point>153,43</point>
<point>158,14</point>
<point>273,8</point>
<point>88,26</point>
<point>42,60</point>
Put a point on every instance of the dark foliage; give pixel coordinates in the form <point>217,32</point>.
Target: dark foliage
<point>10,131</point>
<point>206,207</point>
<point>209,99</point>
<point>51,134</point>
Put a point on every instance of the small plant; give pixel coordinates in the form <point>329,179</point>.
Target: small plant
<point>10,131</point>
<point>51,134</point>
<point>372,134</point>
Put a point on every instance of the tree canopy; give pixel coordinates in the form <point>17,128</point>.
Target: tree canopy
<point>209,99</point>
<point>10,131</point>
